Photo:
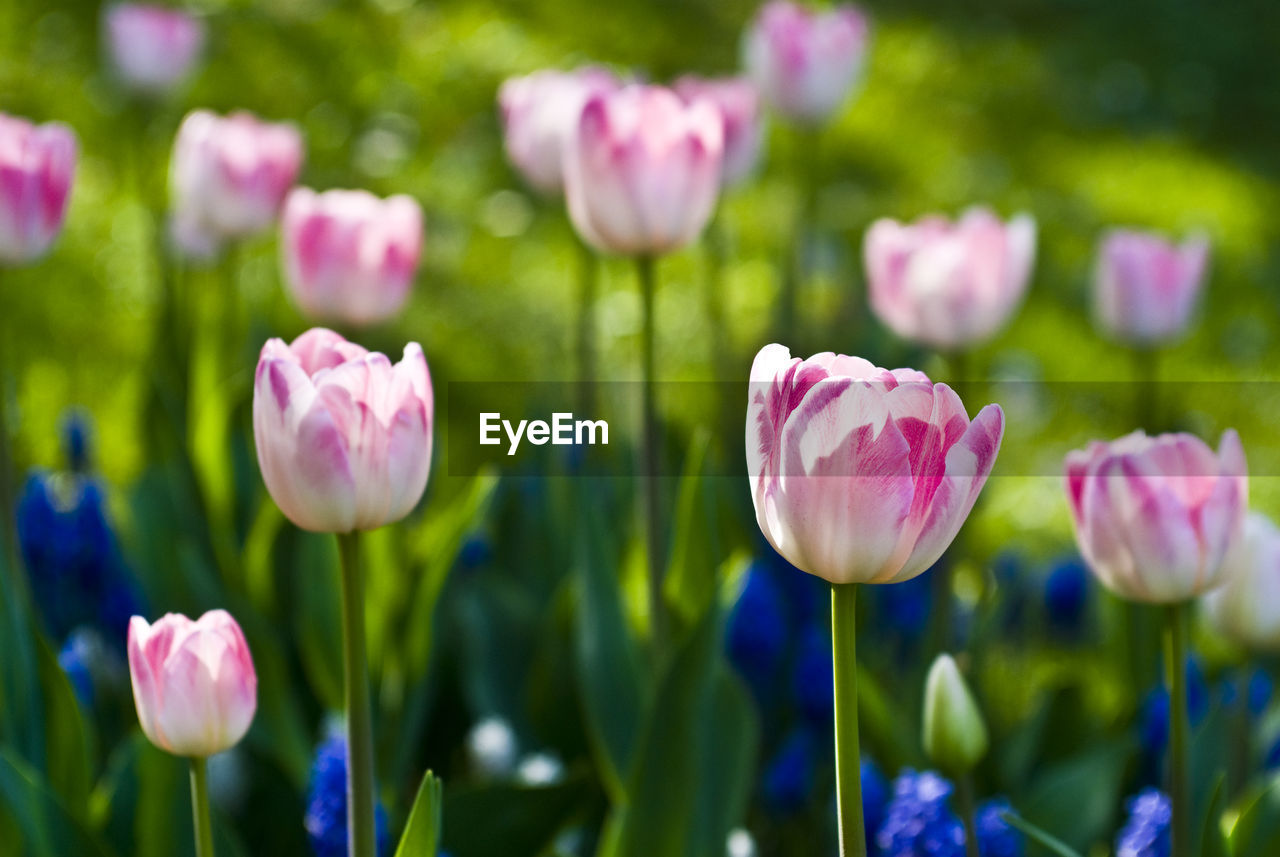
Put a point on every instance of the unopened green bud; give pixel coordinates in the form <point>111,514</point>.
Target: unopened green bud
<point>955,737</point>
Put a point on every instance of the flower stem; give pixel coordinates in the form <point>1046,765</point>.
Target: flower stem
<point>588,273</point>
<point>1179,728</point>
<point>355,667</point>
<point>968,812</point>
<point>200,807</point>
<point>853,840</point>
<point>649,453</point>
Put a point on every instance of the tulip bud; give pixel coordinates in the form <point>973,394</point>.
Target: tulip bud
<point>806,62</point>
<point>955,736</point>
<point>193,682</point>
<point>152,48</point>
<point>643,170</point>
<point>230,173</point>
<point>37,165</point>
<point>349,256</point>
<point>1246,607</point>
<point>859,474</point>
<point>1154,516</point>
<point>949,285</point>
<point>343,437</point>
<point>540,115</point>
<point>743,125</point>
<point>1146,288</point>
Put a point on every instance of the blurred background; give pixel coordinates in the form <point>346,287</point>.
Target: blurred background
<point>508,621</point>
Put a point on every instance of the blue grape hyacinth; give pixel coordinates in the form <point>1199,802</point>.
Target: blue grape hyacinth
<point>919,823</point>
<point>1066,594</point>
<point>326,819</point>
<point>789,776</point>
<point>1147,832</point>
<point>813,677</point>
<point>1154,717</point>
<point>905,606</point>
<point>758,629</point>
<point>73,562</point>
<point>996,837</point>
<point>875,798</point>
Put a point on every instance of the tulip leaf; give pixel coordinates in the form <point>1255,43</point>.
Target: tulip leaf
<point>659,816</point>
<point>1048,842</point>
<point>422,831</point>
<point>690,583</point>
<point>1075,799</point>
<point>1212,842</point>
<point>608,663</point>
<point>435,545</point>
<point>68,733</point>
<point>48,827</point>
<point>1257,830</point>
<point>730,735</point>
<point>20,700</point>
<point>505,819</point>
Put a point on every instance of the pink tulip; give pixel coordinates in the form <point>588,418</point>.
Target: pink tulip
<point>540,113</point>
<point>37,166</point>
<point>742,123</point>
<point>643,172</point>
<point>193,682</point>
<point>349,256</point>
<point>1145,287</point>
<point>1246,607</point>
<point>343,437</point>
<point>230,174</point>
<point>1154,516</point>
<point>805,61</point>
<point>949,285</point>
<point>861,474</point>
<point>153,48</point>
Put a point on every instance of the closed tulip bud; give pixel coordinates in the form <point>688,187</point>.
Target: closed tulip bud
<point>540,113</point>
<point>1145,287</point>
<point>193,682</point>
<point>230,173</point>
<point>1155,516</point>
<point>343,436</point>
<point>949,285</point>
<point>955,736</point>
<point>806,62</point>
<point>643,170</point>
<point>1246,607</point>
<point>152,48</point>
<point>860,474</point>
<point>742,122</point>
<point>348,255</point>
<point>37,166</point>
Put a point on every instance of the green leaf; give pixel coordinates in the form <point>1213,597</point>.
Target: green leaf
<point>731,734</point>
<point>1046,841</point>
<point>506,819</point>
<point>21,709</point>
<point>422,831</point>
<point>1212,842</point>
<point>435,544</point>
<point>48,827</point>
<point>690,583</point>
<point>608,662</point>
<point>1257,831</point>
<point>68,733</point>
<point>659,816</point>
<point>1075,800</point>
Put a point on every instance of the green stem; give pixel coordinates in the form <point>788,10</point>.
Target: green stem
<point>200,807</point>
<point>968,812</point>
<point>1179,728</point>
<point>649,453</point>
<point>1146,365</point>
<point>355,667</point>
<point>853,840</point>
<point>589,268</point>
